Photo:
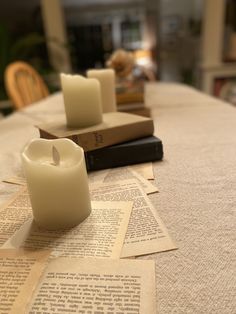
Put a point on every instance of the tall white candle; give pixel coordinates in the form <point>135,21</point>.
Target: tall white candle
<point>82,100</point>
<point>106,77</point>
<point>57,182</point>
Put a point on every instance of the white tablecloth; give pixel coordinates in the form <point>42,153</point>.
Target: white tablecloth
<point>197,199</point>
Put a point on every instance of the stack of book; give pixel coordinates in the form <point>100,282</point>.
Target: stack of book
<point>121,139</point>
<point>130,99</point>
<point>132,103</point>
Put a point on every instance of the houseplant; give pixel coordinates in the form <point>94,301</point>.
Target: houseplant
<point>30,47</point>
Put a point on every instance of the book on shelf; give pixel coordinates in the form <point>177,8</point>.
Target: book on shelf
<point>133,152</point>
<point>117,127</point>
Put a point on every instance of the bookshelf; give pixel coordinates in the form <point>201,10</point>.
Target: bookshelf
<point>217,62</point>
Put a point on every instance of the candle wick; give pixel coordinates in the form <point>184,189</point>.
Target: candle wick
<point>55,156</point>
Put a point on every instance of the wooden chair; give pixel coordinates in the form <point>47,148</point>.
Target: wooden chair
<point>24,84</point>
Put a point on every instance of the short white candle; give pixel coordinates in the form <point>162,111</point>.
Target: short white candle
<point>57,182</point>
<point>106,77</point>
<point>82,100</point>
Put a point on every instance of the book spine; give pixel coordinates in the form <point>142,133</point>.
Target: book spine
<point>117,156</point>
<point>107,137</point>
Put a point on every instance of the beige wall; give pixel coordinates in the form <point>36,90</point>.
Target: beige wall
<point>55,31</point>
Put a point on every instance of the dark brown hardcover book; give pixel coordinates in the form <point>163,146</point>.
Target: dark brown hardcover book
<point>117,127</point>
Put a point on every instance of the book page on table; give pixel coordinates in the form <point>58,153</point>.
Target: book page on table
<point>97,176</point>
<point>144,169</point>
<point>14,214</point>
<point>99,235</point>
<point>94,177</point>
<point>141,172</point>
<point>15,180</point>
<point>96,286</point>
<point>125,173</point>
<point>146,232</point>
<point>19,276</point>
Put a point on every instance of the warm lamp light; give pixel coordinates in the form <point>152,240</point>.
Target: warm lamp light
<point>143,57</point>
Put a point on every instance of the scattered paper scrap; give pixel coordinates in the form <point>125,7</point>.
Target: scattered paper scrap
<point>125,173</point>
<point>96,286</point>
<point>144,169</point>
<point>19,276</point>
<point>99,235</point>
<point>146,232</point>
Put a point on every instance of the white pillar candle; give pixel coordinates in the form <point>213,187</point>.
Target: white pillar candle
<point>106,77</point>
<point>82,100</point>
<point>57,182</point>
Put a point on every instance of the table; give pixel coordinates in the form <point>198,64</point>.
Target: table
<point>197,199</point>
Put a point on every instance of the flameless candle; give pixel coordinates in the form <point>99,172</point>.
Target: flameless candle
<point>82,100</point>
<point>106,77</point>
<point>57,182</point>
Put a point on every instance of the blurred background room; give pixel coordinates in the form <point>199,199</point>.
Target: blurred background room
<point>191,42</point>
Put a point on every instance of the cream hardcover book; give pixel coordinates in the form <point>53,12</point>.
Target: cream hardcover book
<point>117,127</point>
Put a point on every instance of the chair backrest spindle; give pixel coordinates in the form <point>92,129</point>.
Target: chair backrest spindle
<point>24,84</point>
